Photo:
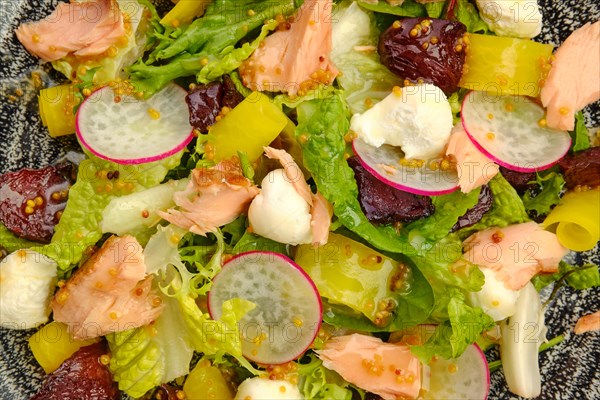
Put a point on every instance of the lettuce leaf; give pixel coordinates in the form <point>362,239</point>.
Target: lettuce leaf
<point>364,79</point>
<point>435,9</point>
<point>451,338</point>
<point>211,38</point>
<point>79,226</point>
<point>507,208</point>
<point>551,185</point>
<point>409,8</point>
<point>467,13</point>
<point>10,242</point>
<point>577,277</point>
<point>319,383</point>
<point>580,136</point>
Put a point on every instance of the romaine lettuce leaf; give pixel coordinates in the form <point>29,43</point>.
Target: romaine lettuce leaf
<point>507,208</point>
<point>452,337</point>
<point>580,136</point>
<point>79,226</point>
<point>409,8</point>
<point>467,13</point>
<point>11,242</point>
<point>578,277</point>
<point>207,40</point>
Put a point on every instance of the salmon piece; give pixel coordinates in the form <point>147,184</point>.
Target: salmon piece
<point>475,169</point>
<point>516,253</point>
<point>84,29</point>
<point>214,197</point>
<point>109,293</point>
<point>295,60</point>
<point>573,81</point>
<point>321,214</point>
<point>588,323</point>
<point>389,370</point>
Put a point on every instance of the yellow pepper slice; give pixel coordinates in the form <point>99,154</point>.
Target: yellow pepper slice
<point>56,109</point>
<point>576,220</point>
<point>184,12</point>
<point>53,344</point>
<point>249,127</point>
<point>505,66</point>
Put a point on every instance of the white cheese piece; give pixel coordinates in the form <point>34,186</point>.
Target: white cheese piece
<point>265,389</point>
<point>514,18</point>
<point>495,298</point>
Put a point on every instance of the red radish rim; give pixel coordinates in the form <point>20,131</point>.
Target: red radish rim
<point>130,161</point>
<point>496,159</point>
<point>487,369</point>
<point>399,186</point>
<point>289,262</point>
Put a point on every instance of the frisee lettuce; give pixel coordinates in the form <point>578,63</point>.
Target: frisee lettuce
<point>551,185</point>
<point>319,383</point>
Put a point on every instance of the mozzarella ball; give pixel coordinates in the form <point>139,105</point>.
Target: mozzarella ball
<point>265,389</point>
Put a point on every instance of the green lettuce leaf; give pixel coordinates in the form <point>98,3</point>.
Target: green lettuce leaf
<point>577,277</point>
<point>211,38</point>
<point>252,242</point>
<point>11,242</point>
<point>580,136</point>
<point>551,185</point>
<point>452,337</point>
<point>507,208</point>
<point>467,13</point>
<point>364,79</point>
<point>79,226</point>
<point>408,8</point>
<point>319,383</point>
<point>435,9</point>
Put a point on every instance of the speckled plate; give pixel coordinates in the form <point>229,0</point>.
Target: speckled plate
<point>570,370</point>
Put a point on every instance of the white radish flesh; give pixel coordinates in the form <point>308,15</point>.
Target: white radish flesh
<point>511,131</point>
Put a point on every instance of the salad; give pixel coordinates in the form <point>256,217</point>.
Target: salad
<point>301,199</point>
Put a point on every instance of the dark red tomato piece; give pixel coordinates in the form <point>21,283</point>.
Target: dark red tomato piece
<point>425,50</point>
<point>32,200</point>
<point>81,377</point>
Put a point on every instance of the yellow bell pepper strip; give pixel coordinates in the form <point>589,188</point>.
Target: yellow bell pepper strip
<point>505,66</point>
<point>250,126</point>
<point>56,109</point>
<point>184,12</point>
<point>576,220</point>
<point>53,344</point>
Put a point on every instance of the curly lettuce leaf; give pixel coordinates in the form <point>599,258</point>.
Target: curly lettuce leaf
<point>320,383</point>
<point>551,186</point>
<point>209,41</point>
<point>79,226</point>
<point>578,277</point>
<point>507,208</point>
<point>451,338</point>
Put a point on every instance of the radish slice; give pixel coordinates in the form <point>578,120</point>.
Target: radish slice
<point>465,377</point>
<point>134,131</point>
<point>288,310</point>
<point>508,130</point>
<point>384,163</point>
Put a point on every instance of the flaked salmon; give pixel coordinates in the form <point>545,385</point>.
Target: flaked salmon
<point>389,370</point>
<point>574,79</point>
<point>109,293</point>
<point>516,253</point>
<point>474,168</point>
<point>214,197</point>
<point>588,323</point>
<point>294,60</point>
<point>84,29</point>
